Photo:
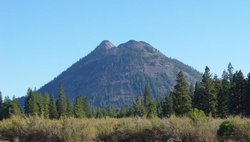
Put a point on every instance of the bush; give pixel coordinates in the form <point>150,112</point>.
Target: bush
<point>197,114</point>
<point>226,130</point>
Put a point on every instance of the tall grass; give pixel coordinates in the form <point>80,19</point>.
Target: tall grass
<point>112,129</point>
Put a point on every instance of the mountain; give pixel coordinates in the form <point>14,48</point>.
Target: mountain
<point>115,75</point>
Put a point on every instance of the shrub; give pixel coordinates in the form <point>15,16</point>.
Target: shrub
<point>179,128</point>
<point>227,130</point>
<point>197,115</point>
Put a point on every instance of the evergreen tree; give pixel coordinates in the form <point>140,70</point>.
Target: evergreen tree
<point>238,87</point>
<point>247,97</point>
<point>151,110</point>
<point>168,108</point>
<point>223,97</point>
<point>15,108</point>
<point>147,96</point>
<point>231,76</point>
<point>53,114</point>
<point>198,98</point>
<point>149,103</point>
<point>61,103</point>
<point>31,103</point>
<point>6,107</point>
<point>209,93</point>
<point>99,113</point>
<point>1,106</point>
<point>191,91</point>
<point>40,103</point>
<point>69,107</point>
<point>217,84</point>
<point>230,70</point>
<point>111,112</point>
<point>79,108</point>
<point>181,96</point>
<point>217,88</point>
<point>138,108</point>
<point>86,107</point>
<point>122,112</point>
<point>131,111</point>
<point>11,107</point>
<point>159,108</point>
<point>45,103</point>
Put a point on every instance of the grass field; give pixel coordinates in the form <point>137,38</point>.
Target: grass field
<point>125,129</point>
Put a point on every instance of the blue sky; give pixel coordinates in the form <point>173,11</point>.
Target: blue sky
<point>41,38</point>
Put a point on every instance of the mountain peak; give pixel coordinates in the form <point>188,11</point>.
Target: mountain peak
<point>105,44</point>
<point>115,76</point>
<point>136,44</point>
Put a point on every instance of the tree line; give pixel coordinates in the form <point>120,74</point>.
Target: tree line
<point>216,97</point>
<point>45,105</point>
<point>227,96</point>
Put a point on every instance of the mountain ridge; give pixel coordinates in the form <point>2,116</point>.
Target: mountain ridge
<point>115,75</point>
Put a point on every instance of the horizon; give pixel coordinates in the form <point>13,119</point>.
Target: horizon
<point>41,39</point>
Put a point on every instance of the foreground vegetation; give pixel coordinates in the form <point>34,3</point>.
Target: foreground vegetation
<point>208,112</point>
<point>125,129</point>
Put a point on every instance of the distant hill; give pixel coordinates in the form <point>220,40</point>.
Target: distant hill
<point>115,75</point>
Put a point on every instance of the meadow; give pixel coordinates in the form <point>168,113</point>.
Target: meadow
<point>174,128</point>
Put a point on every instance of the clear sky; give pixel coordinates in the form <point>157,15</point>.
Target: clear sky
<point>41,38</point>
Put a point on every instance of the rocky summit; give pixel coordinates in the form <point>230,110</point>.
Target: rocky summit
<point>115,75</point>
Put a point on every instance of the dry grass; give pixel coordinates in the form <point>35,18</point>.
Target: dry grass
<point>124,129</point>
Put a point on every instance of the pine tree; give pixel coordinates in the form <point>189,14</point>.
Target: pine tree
<point>209,93</point>
<point>61,103</point>
<point>138,107</point>
<point>15,108</point>
<point>223,97</point>
<point>191,91</point>
<point>217,88</point>
<point>39,104</point>
<point>231,75</point>
<point>151,110</point>
<point>11,107</point>
<point>99,113</point>
<point>149,103</point>
<point>147,96</point>
<point>69,107</point>
<point>247,97</point>
<point>159,108</point>
<point>53,114</point>
<point>79,108</point>
<point>168,107</point>
<point>230,70</point>
<point>6,107</point>
<point>45,103</point>
<point>217,84</point>
<point>86,107</point>
<point>122,112</point>
<point>198,98</point>
<point>181,96</point>
<point>111,112</point>
<point>131,110</point>
<point>1,106</point>
<point>239,88</point>
<point>31,103</point>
